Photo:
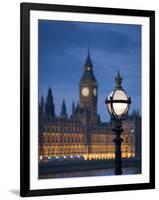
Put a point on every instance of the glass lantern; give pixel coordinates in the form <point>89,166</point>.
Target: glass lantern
<point>118,102</point>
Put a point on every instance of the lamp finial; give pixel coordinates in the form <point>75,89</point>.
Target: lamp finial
<point>118,80</point>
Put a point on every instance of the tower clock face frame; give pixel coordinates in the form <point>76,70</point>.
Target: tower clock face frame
<point>95,91</point>
<point>85,91</point>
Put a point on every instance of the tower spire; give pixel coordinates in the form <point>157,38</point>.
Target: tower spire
<point>49,105</point>
<point>41,106</point>
<point>88,63</point>
<point>63,110</point>
<point>88,69</point>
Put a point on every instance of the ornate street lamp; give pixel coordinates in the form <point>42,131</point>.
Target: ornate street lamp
<point>118,104</point>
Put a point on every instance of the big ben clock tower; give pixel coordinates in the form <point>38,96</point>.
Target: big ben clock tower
<point>89,91</point>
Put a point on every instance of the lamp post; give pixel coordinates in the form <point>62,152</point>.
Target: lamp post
<point>118,104</point>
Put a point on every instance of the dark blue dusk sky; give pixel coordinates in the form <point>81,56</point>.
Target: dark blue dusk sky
<point>63,48</point>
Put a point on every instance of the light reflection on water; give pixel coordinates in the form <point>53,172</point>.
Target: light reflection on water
<point>99,172</point>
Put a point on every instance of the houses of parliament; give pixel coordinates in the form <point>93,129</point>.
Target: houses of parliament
<point>83,134</point>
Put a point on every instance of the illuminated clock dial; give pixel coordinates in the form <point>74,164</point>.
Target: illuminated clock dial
<point>85,91</point>
<point>95,92</point>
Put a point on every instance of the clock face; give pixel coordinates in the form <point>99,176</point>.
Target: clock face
<point>85,91</point>
<point>95,92</point>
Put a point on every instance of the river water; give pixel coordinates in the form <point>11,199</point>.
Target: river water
<point>99,172</point>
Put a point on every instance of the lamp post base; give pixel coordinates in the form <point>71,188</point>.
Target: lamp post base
<point>118,140</point>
